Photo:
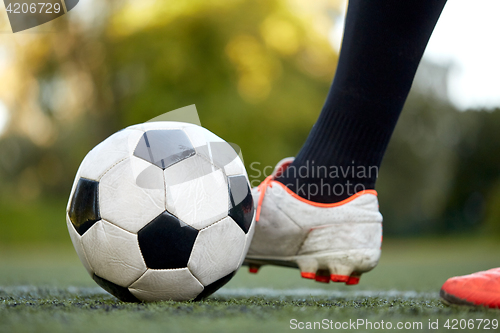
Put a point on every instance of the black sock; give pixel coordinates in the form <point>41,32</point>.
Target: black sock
<point>383,43</point>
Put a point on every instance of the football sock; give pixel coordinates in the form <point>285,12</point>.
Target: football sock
<point>383,43</point>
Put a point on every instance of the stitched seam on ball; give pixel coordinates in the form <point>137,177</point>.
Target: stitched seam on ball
<point>111,167</point>
<point>165,190</point>
<point>140,251</point>
<point>114,225</point>
<point>189,139</point>
<point>85,253</point>
<point>134,129</point>
<point>138,277</point>
<point>168,269</point>
<point>208,226</point>
<point>209,161</point>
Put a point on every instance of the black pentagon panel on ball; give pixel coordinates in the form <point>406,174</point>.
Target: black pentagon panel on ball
<point>242,208</point>
<point>122,293</point>
<point>214,286</point>
<point>164,148</point>
<point>84,208</point>
<point>166,242</point>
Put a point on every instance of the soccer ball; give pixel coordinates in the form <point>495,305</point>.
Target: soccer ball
<point>161,211</point>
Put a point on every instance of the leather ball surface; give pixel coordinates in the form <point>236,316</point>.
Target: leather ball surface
<point>161,211</point>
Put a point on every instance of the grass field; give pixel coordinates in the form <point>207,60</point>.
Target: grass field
<point>46,289</point>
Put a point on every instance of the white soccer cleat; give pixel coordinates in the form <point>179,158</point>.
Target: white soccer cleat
<point>336,242</point>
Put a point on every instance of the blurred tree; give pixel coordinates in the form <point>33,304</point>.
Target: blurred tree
<point>474,193</point>
<point>417,171</point>
<point>239,61</point>
<point>258,71</point>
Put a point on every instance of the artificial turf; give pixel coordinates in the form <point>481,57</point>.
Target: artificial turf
<point>45,289</point>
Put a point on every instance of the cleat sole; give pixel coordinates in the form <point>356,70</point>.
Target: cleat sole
<point>308,275</point>
<point>322,276</point>
<point>339,278</point>
<point>338,266</point>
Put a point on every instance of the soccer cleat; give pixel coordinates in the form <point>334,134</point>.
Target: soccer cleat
<point>327,242</point>
<point>478,289</point>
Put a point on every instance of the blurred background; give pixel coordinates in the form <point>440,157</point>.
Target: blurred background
<point>258,72</point>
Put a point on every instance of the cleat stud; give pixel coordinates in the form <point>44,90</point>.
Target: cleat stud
<point>322,279</point>
<point>353,279</point>
<point>322,276</point>
<point>253,269</point>
<point>308,275</point>
<point>339,278</point>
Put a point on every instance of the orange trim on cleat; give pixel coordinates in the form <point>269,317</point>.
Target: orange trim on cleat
<point>270,181</point>
<point>308,275</point>
<point>339,278</point>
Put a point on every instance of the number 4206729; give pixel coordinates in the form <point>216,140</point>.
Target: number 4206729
<point>485,324</point>
<point>40,8</point>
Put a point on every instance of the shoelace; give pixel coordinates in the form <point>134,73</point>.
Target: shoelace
<point>262,189</point>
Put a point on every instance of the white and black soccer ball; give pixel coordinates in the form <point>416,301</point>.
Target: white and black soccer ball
<point>161,211</point>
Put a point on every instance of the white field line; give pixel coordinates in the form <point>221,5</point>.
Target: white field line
<point>233,292</point>
<point>306,292</point>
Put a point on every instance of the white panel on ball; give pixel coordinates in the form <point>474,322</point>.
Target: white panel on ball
<point>248,240</point>
<point>146,174</point>
<point>215,150</point>
<point>217,251</point>
<point>126,204</point>
<point>235,167</point>
<point>109,152</point>
<point>113,253</point>
<point>197,192</point>
<point>168,284</point>
<point>77,243</point>
<point>198,136</point>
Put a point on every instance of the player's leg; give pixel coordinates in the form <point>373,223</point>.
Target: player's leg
<point>317,223</point>
<point>382,47</point>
